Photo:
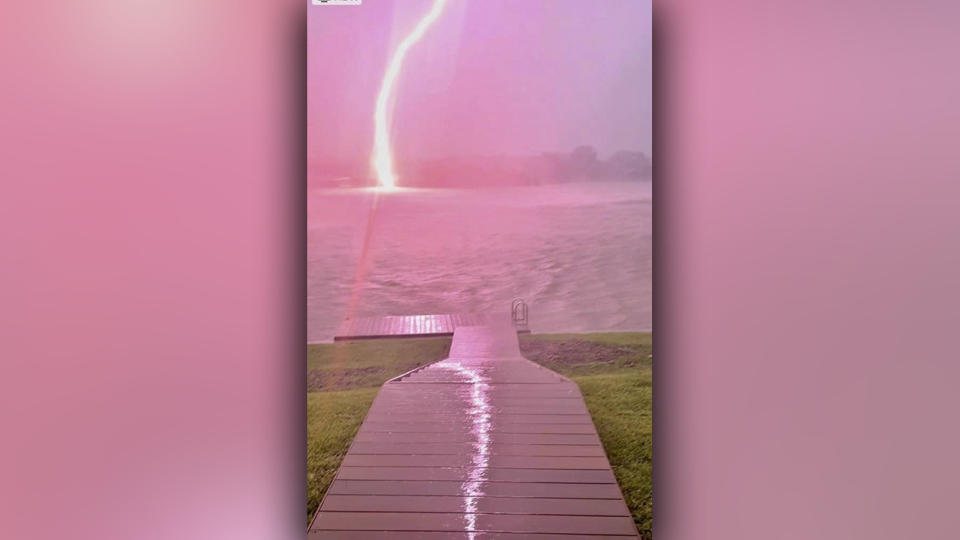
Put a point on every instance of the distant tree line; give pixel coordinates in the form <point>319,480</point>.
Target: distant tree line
<point>580,165</point>
<point>583,164</point>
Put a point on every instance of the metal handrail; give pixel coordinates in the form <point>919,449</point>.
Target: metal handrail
<point>519,313</point>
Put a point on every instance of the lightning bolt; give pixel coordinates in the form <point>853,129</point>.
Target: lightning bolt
<point>382,158</point>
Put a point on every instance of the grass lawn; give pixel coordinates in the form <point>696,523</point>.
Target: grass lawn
<point>615,375</point>
<point>614,372</point>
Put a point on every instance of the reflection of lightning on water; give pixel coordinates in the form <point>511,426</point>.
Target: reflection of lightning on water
<point>382,158</point>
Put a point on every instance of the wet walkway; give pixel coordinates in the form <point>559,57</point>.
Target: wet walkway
<point>483,445</point>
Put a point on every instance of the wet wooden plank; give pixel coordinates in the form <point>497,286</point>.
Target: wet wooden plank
<point>466,460</point>
<point>490,489</point>
<point>487,474</point>
<point>459,522</point>
<point>507,418</point>
<point>526,427</point>
<point>509,438</point>
<point>542,406</point>
<point>435,535</point>
<point>423,449</point>
<point>481,505</point>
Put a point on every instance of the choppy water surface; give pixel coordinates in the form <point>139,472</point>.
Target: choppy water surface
<point>580,254</point>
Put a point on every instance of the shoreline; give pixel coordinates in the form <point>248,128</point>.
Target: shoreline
<point>551,333</point>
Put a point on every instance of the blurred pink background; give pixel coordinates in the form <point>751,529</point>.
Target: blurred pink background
<point>151,283</point>
<point>152,266</point>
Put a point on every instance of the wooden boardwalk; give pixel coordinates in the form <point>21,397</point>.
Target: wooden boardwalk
<point>483,445</point>
<point>395,326</point>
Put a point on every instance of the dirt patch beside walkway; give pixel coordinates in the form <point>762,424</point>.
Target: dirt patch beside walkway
<point>579,352</point>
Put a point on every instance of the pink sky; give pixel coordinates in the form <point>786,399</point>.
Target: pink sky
<point>490,77</point>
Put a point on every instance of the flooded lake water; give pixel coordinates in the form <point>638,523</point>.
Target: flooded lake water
<point>578,253</point>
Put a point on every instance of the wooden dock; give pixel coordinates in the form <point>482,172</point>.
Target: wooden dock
<point>396,326</point>
<point>482,445</point>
